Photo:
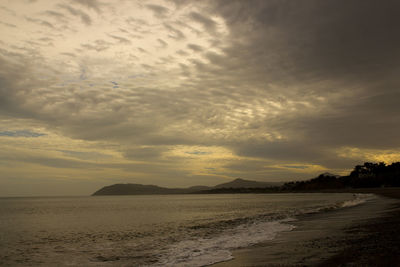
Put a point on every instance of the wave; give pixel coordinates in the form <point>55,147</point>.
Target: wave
<point>226,235</point>
<point>359,199</point>
<point>206,251</point>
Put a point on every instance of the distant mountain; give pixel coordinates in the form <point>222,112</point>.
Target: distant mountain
<point>136,189</point>
<point>199,187</point>
<point>363,176</point>
<point>139,189</point>
<point>241,183</point>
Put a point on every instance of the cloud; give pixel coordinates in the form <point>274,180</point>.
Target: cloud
<point>280,150</point>
<point>195,48</point>
<point>68,54</point>
<point>53,162</point>
<point>206,22</point>
<point>120,39</point>
<point>286,88</point>
<point>40,22</point>
<point>296,167</point>
<point>182,52</point>
<point>97,45</point>
<point>142,50</point>
<point>21,133</point>
<point>8,24</point>
<point>84,155</point>
<point>174,33</point>
<point>54,14</point>
<point>162,43</point>
<point>145,153</point>
<point>198,152</point>
<point>158,11</point>
<point>85,18</point>
<point>91,4</point>
<point>319,40</point>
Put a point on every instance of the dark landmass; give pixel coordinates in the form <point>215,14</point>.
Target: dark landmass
<point>374,243</point>
<point>137,189</point>
<point>241,183</point>
<point>199,187</point>
<point>365,235</point>
<point>368,175</point>
<point>243,186</point>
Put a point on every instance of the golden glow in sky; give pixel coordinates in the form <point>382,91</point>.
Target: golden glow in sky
<point>182,93</point>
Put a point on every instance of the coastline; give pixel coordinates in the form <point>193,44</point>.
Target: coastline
<point>363,235</point>
<point>375,243</point>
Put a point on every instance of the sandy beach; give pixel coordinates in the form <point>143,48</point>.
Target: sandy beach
<point>364,235</point>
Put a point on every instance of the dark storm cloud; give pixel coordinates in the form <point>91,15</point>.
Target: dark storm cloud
<point>328,38</point>
<point>369,122</point>
<point>316,49</point>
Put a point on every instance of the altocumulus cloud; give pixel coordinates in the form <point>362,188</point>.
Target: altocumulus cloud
<point>270,86</point>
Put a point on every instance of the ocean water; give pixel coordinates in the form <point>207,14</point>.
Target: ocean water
<point>156,230</point>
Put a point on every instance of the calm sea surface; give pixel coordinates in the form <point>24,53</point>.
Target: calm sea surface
<point>166,230</point>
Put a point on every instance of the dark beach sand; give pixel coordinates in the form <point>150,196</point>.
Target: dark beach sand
<point>364,235</point>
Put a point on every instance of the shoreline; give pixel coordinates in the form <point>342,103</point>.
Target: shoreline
<point>374,243</point>
<point>364,235</point>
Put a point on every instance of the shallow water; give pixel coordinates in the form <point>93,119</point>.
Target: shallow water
<point>166,230</point>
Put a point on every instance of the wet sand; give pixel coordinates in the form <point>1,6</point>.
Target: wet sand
<point>364,235</point>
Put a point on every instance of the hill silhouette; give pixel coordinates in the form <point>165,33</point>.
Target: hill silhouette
<point>139,189</point>
<point>242,183</point>
<point>136,189</point>
<point>367,175</point>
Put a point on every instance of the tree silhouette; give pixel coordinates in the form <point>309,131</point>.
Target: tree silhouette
<point>367,175</point>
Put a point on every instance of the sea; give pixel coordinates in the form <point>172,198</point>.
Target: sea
<point>150,230</point>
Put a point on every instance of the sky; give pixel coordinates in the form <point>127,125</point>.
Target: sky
<point>181,93</point>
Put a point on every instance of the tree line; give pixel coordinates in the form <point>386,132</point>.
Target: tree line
<point>363,176</point>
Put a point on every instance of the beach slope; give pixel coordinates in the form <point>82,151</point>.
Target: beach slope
<point>363,235</point>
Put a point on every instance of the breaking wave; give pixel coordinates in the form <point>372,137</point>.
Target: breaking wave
<point>241,232</point>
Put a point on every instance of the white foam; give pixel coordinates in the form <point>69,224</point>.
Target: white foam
<point>357,200</point>
<point>206,251</point>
